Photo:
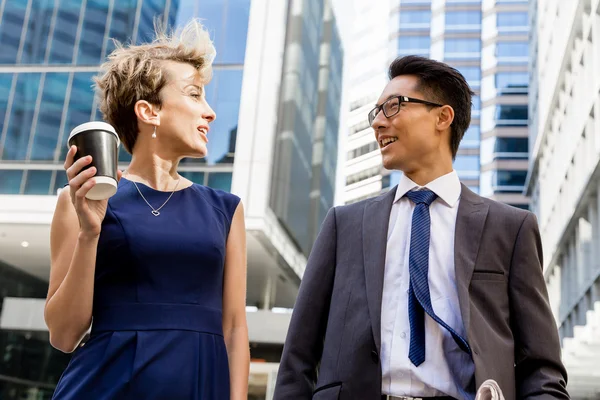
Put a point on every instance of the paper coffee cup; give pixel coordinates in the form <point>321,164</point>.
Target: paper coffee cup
<point>99,140</point>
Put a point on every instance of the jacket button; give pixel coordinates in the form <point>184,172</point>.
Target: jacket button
<point>375,356</point>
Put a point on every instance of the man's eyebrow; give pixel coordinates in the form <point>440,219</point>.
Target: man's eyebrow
<point>389,97</point>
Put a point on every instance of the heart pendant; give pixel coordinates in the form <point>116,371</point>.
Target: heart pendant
<point>155,213</point>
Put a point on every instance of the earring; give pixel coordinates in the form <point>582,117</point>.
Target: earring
<point>154,134</point>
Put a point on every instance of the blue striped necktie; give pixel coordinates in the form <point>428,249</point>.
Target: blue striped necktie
<point>419,299</point>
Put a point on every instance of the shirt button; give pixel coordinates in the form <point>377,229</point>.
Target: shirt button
<point>402,335</point>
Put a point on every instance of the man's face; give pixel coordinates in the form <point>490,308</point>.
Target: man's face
<point>408,139</point>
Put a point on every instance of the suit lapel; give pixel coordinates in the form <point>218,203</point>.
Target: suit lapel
<point>374,231</point>
<point>472,213</point>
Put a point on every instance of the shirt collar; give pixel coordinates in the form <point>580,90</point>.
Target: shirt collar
<point>447,187</point>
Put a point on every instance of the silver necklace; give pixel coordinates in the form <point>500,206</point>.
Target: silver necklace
<point>156,211</point>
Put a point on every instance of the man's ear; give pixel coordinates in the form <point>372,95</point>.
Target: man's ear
<point>445,117</point>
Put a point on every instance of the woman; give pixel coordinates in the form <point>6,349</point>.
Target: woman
<point>161,266</point>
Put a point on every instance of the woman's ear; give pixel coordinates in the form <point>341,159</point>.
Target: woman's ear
<point>147,113</point>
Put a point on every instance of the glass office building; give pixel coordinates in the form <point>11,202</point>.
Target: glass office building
<point>52,49</point>
<point>486,40</point>
<point>504,101</point>
<point>49,52</point>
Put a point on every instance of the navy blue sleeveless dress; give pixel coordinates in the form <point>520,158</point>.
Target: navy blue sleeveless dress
<point>157,316</point>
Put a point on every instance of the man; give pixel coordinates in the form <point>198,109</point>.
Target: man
<point>428,290</point>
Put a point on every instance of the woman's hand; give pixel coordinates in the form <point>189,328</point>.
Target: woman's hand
<point>89,212</point>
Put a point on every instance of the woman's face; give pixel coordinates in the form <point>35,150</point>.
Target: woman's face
<point>184,114</point>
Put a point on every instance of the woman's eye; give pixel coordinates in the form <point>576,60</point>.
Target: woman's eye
<point>195,95</point>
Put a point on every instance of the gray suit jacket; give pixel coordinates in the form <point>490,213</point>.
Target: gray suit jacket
<point>334,339</point>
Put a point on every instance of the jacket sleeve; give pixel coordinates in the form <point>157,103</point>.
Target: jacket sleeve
<point>303,347</point>
<point>539,371</point>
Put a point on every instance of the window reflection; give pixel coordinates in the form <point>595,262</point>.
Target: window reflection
<point>38,30</point>
<point>80,106</point>
<point>5,85</point>
<point>21,117</point>
<point>150,10</point>
<point>10,181</point>
<point>223,95</point>
<point>122,23</point>
<point>65,29</point>
<point>220,180</point>
<point>37,182</point>
<point>11,25</point>
<point>92,35</point>
<point>227,22</point>
<point>194,176</point>
<point>60,180</point>
<point>48,122</point>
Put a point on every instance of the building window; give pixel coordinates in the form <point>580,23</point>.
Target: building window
<point>367,148</point>
<point>462,49</point>
<point>472,75</point>
<point>390,180</point>
<point>415,20</point>
<point>511,115</point>
<point>412,2</point>
<point>362,175</point>
<point>521,206</point>
<point>463,21</point>
<point>503,115</point>
<point>471,138</point>
<point>220,180</point>
<point>467,166</point>
<point>512,22</point>
<point>417,45</point>
<point>508,83</point>
<point>476,106</point>
<point>512,52</point>
<point>509,181</point>
<point>504,148</point>
<point>38,182</point>
<point>361,126</point>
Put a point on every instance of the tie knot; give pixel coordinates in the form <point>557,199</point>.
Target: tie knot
<point>424,196</point>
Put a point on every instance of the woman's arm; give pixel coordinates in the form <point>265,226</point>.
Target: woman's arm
<point>68,310</point>
<point>235,327</point>
<point>74,235</point>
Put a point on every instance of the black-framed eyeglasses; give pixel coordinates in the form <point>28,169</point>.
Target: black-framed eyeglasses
<point>391,106</point>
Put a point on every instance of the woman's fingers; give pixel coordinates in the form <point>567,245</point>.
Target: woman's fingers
<point>84,189</point>
<point>76,167</point>
<point>70,157</point>
<point>81,178</point>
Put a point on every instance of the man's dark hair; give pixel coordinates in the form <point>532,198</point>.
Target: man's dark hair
<point>439,83</point>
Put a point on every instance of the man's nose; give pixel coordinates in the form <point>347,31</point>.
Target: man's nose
<point>380,121</point>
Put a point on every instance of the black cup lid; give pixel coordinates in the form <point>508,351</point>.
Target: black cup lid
<point>94,125</point>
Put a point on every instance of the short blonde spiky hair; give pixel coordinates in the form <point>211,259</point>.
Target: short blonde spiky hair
<point>136,72</point>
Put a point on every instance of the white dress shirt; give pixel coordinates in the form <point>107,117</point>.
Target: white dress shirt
<point>447,370</point>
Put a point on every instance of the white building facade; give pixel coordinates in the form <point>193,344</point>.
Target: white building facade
<point>564,176</point>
